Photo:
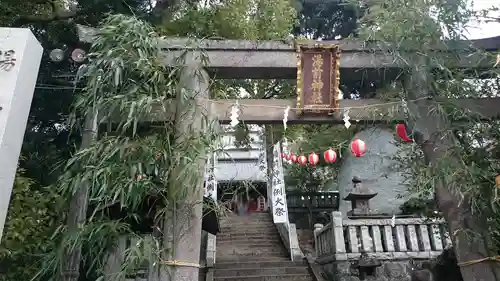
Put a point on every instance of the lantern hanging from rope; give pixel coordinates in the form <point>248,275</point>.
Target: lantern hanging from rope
<point>293,158</point>
<point>302,160</point>
<point>313,158</point>
<point>330,156</point>
<point>358,147</point>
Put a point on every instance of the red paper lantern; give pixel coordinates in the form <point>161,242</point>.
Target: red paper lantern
<point>401,131</point>
<point>313,158</point>
<point>302,160</point>
<point>358,147</point>
<point>293,157</point>
<point>330,156</point>
<point>283,155</point>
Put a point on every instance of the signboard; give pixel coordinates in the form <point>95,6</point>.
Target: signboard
<point>318,78</point>
<point>278,196</point>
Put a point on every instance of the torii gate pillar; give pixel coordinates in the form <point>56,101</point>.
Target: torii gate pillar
<point>20,56</point>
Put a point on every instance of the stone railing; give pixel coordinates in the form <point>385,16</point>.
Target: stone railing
<point>387,239</point>
<point>288,234</point>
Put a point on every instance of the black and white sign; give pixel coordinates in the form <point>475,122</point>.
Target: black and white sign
<point>210,180</point>
<point>278,196</point>
<point>7,59</point>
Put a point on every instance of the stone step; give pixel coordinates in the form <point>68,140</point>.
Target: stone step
<point>229,236</point>
<point>229,230</point>
<point>256,244</point>
<point>245,248</point>
<point>285,277</point>
<point>247,225</point>
<point>259,216</point>
<point>243,252</point>
<point>251,218</point>
<point>252,239</point>
<point>250,231</point>
<point>261,271</point>
<point>222,261</point>
<point>263,263</point>
<point>238,255</point>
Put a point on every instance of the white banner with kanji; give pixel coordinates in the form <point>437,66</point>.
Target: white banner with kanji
<point>210,180</point>
<point>278,196</point>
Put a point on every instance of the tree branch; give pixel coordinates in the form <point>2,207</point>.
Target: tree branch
<point>57,14</point>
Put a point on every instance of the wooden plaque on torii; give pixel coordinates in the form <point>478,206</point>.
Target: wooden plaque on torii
<point>318,77</point>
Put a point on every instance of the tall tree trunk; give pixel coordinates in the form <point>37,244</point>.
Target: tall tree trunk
<point>182,225</point>
<point>437,143</point>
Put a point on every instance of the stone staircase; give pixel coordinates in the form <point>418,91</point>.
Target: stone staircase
<point>249,248</point>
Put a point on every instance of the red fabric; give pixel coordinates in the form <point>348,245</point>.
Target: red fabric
<point>401,131</point>
<point>253,206</point>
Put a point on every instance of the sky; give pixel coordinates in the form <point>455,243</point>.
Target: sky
<point>484,30</point>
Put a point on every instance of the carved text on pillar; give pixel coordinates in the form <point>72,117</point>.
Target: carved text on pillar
<point>7,60</point>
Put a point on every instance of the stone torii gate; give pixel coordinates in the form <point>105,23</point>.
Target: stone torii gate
<point>272,59</point>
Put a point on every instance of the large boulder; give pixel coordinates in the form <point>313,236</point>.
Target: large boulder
<point>376,170</point>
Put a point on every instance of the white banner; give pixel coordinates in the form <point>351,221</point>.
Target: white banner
<point>210,180</point>
<point>278,196</point>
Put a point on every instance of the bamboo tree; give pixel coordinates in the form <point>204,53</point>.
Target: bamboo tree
<point>129,163</point>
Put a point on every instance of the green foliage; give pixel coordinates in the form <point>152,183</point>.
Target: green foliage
<point>125,80</point>
<point>235,19</point>
<point>30,220</point>
<point>251,20</point>
<point>468,167</point>
<point>328,20</point>
<point>317,138</point>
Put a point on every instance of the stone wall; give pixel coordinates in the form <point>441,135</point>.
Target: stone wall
<point>390,270</point>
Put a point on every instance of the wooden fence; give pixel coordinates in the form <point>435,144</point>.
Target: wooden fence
<point>314,200</point>
<point>401,238</point>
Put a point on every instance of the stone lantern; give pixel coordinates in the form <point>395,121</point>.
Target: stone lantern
<point>359,197</point>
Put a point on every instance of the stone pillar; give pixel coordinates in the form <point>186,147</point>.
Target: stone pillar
<point>317,228</point>
<point>184,222</point>
<point>20,55</point>
<point>338,235</point>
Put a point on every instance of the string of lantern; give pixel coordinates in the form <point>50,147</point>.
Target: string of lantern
<point>357,146</point>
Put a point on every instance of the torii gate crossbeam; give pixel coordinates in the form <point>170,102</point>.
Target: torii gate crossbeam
<point>278,59</point>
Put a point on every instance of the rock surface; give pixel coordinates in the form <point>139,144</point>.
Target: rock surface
<point>376,170</point>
